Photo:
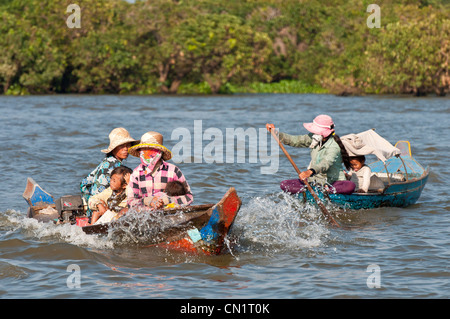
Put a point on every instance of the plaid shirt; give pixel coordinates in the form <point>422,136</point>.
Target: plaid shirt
<point>144,185</point>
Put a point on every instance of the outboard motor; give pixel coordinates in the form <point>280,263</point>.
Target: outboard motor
<point>70,207</point>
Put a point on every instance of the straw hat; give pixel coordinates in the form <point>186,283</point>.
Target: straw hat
<point>151,140</point>
<point>117,137</point>
<point>322,125</point>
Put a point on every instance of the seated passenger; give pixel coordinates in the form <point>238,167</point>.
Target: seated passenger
<point>149,179</point>
<point>98,180</point>
<point>361,175</point>
<point>107,205</point>
<point>174,188</point>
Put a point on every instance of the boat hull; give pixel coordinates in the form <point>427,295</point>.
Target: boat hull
<point>197,229</point>
<point>400,194</point>
<point>209,238</point>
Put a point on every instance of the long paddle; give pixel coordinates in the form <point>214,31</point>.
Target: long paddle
<point>321,205</point>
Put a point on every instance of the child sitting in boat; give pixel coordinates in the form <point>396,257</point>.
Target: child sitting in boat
<point>361,175</point>
<point>174,188</point>
<point>107,205</point>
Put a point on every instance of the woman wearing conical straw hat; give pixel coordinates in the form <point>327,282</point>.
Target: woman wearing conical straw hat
<point>149,179</point>
<point>98,180</point>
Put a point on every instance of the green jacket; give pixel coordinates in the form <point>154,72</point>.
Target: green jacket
<point>325,160</point>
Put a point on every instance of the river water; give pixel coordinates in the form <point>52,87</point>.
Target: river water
<point>280,249</point>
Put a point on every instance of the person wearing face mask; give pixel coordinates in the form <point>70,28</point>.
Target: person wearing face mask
<point>327,156</point>
<point>149,179</point>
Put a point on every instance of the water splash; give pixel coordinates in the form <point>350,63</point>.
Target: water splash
<point>141,227</point>
<point>14,222</point>
<point>272,223</point>
<point>279,222</point>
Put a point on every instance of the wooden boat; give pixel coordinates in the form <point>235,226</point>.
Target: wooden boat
<point>404,180</point>
<point>197,229</point>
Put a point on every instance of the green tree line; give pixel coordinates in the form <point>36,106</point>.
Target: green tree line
<point>232,46</point>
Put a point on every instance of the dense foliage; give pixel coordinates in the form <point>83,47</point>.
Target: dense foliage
<point>215,46</point>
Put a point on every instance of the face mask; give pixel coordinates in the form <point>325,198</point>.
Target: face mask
<point>316,140</point>
<point>147,155</point>
<point>149,158</point>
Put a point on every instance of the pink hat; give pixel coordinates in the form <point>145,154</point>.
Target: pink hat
<point>322,125</point>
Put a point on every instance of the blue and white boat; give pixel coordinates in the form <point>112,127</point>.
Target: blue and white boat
<point>404,179</point>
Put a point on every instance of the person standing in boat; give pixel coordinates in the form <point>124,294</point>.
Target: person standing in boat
<point>149,179</point>
<point>327,156</point>
<point>99,179</point>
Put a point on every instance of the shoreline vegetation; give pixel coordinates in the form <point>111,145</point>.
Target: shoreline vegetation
<point>208,47</point>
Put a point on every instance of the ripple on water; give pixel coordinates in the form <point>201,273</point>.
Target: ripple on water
<point>11,271</point>
<point>279,248</point>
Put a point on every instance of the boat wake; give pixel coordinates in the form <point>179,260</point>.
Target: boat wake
<point>16,222</point>
<point>135,228</point>
<point>277,223</point>
<point>269,224</point>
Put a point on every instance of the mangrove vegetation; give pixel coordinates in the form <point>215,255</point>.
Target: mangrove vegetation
<point>232,46</point>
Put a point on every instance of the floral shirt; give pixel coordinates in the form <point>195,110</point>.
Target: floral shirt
<point>98,180</point>
<point>143,184</point>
